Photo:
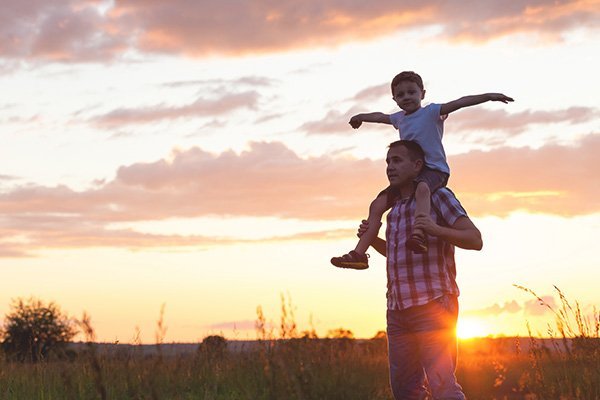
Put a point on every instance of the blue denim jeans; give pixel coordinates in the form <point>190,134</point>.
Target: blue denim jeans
<point>422,351</point>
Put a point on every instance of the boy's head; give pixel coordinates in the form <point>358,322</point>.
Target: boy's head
<point>408,91</point>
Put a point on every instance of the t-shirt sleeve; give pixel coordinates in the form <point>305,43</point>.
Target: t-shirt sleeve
<point>395,119</point>
<point>447,206</point>
<point>434,111</point>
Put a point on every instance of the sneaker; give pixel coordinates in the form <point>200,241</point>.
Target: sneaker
<point>352,260</point>
<point>417,243</point>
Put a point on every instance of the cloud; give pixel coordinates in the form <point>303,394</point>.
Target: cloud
<point>93,30</point>
<point>465,121</point>
<point>59,30</point>
<point>552,179</point>
<point>373,93</point>
<point>25,236</point>
<point>245,325</point>
<point>250,80</point>
<point>270,180</point>
<point>240,26</point>
<point>514,123</point>
<point>200,108</point>
<point>511,307</point>
<point>529,308</point>
<point>536,308</point>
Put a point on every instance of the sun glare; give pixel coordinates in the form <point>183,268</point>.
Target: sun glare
<point>470,328</point>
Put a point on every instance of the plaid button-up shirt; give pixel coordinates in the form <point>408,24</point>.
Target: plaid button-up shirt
<point>416,279</point>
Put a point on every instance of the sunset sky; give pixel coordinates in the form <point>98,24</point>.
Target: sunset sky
<point>197,154</point>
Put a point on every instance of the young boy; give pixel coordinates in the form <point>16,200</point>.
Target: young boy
<point>425,125</point>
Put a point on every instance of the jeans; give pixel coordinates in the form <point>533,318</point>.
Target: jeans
<point>422,350</point>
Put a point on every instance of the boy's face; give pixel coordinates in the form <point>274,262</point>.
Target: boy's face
<point>408,96</point>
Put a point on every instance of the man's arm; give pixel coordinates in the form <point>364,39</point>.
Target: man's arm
<point>468,101</point>
<point>463,233</point>
<point>377,117</point>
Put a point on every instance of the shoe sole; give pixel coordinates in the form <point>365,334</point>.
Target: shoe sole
<point>351,265</point>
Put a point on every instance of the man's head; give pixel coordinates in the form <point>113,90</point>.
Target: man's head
<point>408,91</point>
<point>405,159</point>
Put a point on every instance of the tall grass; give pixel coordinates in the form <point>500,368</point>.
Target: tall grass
<point>567,366</point>
<point>287,364</point>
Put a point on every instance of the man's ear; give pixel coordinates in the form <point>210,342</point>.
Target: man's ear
<point>423,94</point>
<point>419,165</point>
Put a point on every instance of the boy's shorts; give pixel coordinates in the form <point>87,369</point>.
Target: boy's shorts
<point>433,178</point>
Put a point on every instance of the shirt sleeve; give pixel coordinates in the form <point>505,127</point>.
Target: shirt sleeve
<point>447,206</point>
<point>395,119</point>
<point>434,111</point>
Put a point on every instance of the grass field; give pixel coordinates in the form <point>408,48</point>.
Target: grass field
<point>290,367</point>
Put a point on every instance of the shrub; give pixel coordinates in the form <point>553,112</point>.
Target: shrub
<point>33,330</point>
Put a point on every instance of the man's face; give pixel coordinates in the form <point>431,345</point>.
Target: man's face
<point>401,170</point>
<point>408,96</point>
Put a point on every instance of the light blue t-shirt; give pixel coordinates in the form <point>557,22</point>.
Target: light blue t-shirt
<point>426,127</point>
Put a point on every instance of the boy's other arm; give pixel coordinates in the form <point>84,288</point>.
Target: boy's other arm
<point>377,117</point>
<point>469,101</point>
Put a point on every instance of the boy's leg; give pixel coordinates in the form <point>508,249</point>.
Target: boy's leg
<point>357,258</point>
<point>376,210</point>
<point>417,241</point>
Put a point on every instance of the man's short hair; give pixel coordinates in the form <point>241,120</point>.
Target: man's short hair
<point>415,151</point>
<point>407,76</point>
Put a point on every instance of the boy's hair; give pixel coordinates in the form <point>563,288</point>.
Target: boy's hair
<point>415,151</point>
<point>407,76</point>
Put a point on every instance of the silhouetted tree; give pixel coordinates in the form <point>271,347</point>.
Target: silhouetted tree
<point>33,329</point>
<point>213,347</point>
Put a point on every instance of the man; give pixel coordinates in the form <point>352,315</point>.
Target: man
<point>422,291</point>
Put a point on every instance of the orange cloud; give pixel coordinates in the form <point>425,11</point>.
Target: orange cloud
<point>69,30</point>
<point>553,179</point>
<point>270,180</point>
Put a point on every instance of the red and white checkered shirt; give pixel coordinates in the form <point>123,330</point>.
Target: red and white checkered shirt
<point>417,279</point>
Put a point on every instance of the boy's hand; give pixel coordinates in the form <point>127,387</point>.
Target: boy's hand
<point>362,228</point>
<point>499,97</point>
<point>356,121</point>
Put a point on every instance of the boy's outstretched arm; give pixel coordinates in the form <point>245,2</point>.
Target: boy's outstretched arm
<point>377,117</point>
<point>468,101</point>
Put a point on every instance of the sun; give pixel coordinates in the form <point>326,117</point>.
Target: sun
<point>469,328</point>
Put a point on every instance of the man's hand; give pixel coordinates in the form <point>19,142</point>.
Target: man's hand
<point>356,121</point>
<point>499,97</point>
<point>426,224</point>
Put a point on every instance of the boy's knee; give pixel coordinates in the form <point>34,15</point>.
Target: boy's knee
<point>378,206</point>
<point>422,189</point>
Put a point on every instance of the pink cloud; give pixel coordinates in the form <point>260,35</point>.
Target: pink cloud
<point>59,30</point>
<point>515,123</point>
<point>69,30</point>
<point>200,107</point>
<point>270,180</point>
